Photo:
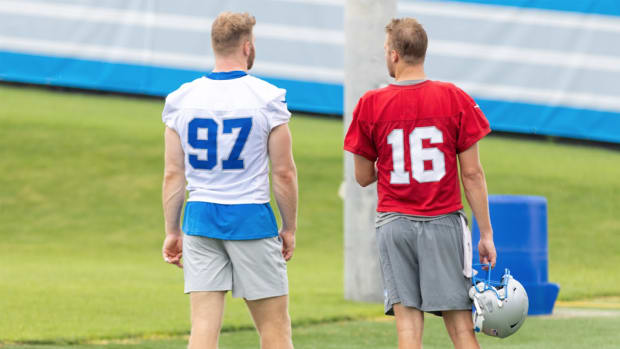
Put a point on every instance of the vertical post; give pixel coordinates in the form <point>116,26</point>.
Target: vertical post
<point>364,69</point>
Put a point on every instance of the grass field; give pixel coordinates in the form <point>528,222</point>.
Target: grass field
<point>81,229</point>
<point>537,333</point>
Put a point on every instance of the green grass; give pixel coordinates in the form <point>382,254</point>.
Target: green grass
<point>81,224</point>
<point>582,187</point>
<point>536,333</point>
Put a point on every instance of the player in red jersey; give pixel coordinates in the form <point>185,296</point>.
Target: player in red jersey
<point>409,137</point>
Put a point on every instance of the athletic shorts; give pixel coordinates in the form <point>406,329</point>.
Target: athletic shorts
<point>251,269</point>
<point>423,264</point>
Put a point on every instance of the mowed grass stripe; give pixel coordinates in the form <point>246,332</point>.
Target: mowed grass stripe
<point>537,333</point>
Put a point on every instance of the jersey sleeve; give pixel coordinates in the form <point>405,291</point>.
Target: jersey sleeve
<point>277,111</point>
<point>473,125</point>
<point>168,116</point>
<point>358,139</point>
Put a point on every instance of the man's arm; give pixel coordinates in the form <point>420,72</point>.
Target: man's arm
<point>365,172</point>
<point>284,179</point>
<point>475,186</point>
<point>173,196</point>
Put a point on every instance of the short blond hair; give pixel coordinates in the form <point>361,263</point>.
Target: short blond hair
<point>228,29</point>
<point>408,38</point>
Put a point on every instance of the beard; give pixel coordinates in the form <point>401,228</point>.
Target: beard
<point>251,57</point>
<point>390,68</point>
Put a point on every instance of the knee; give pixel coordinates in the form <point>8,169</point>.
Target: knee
<point>206,326</point>
<point>461,331</point>
<point>410,334</point>
<point>277,324</point>
<point>276,333</point>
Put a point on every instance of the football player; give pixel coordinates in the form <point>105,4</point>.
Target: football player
<point>222,132</point>
<point>409,137</point>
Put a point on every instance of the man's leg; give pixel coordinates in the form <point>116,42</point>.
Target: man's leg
<point>409,326</point>
<point>460,327</point>
<point>272,322</point>
<point>207,311</point>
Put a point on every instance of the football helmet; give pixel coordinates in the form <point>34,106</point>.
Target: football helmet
<point>500,308</point>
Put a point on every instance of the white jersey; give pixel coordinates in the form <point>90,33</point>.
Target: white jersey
<point>224,121</point>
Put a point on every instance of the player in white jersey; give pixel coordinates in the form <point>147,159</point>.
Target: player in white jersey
<point>222,131</point>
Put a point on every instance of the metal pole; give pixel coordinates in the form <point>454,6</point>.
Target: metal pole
<point>365,69</point>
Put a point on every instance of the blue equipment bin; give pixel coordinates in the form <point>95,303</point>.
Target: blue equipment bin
<point>520,235</point>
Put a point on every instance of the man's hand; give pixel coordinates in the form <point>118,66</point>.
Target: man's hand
<point>173,196</point>
<point>486,249</point>
<point>284,180</point>
<point>172,250</point>
<point>288,244</point>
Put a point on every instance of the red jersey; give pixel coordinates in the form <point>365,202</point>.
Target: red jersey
<point>414,133</point>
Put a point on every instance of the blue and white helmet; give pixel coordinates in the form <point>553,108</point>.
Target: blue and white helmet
<point>500,308</point>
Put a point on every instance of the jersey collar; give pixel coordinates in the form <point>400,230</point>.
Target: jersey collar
<point>226,75</point>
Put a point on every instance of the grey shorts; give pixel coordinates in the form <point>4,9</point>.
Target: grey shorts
<point>251,269</point>
<point>423,264</point>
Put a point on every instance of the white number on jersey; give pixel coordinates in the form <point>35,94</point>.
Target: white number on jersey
<point>398,175</point>
<point>209,143</point>
<point>418,155</point>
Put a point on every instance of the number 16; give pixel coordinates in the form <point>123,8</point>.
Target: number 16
<point>418,155</point>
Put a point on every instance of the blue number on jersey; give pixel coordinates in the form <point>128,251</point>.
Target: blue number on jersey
<point>210,144</point>
<point>245,124</point>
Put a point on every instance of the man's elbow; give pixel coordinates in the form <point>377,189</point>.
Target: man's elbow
<point>364,180</point>
<point>472,176</point>
<point>173,175</point>
<point>364,183</point>
<point>287,175</point>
